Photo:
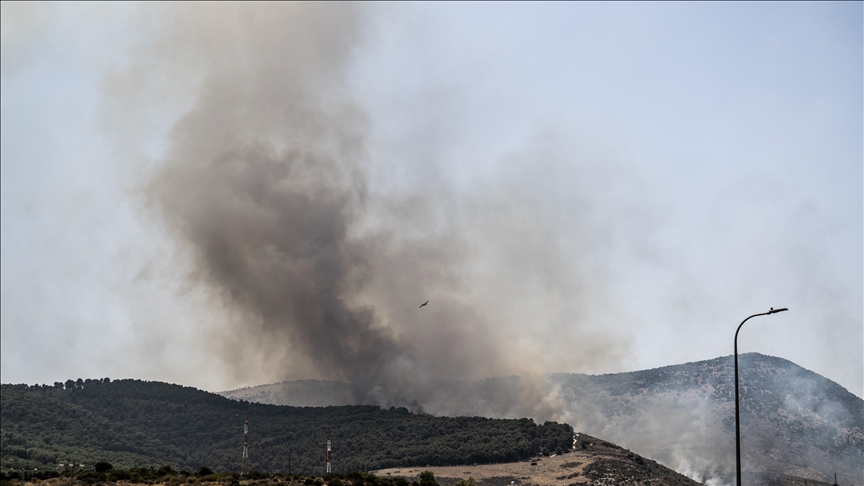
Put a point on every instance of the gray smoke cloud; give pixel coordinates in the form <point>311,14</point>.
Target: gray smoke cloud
<point>300,243</point>
<point>266,188</point>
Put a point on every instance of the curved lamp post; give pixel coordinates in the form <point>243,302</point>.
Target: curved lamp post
<point>737,407</point>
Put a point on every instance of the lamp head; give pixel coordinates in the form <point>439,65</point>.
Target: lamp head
<point>774,311</point>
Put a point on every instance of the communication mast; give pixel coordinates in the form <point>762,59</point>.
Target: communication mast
<point>244,461</point>
<point>328,470</point>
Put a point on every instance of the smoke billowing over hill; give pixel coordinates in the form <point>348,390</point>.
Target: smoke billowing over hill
<point>794,421</point>
<point>570,192</point>
<point>266,187</point>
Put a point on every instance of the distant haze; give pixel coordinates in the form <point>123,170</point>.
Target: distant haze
<point>229,194</point>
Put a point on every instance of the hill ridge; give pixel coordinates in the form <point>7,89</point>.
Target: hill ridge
<point>793,419</point>
<point>133,423</point>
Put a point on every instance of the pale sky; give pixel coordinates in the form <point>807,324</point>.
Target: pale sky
<point>638,176</point>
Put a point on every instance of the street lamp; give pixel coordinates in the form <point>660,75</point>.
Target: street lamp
<point>737,406</point>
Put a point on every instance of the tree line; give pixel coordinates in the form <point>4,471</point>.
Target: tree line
<point>104,472</point>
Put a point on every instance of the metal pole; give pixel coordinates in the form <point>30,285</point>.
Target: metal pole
<point>737,405</point>
<point>244,460</point>
<point>328,470</point>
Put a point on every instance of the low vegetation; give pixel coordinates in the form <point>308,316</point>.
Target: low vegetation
<point>166,475</point>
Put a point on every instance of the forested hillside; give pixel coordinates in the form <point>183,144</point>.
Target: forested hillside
<point>135,423</point>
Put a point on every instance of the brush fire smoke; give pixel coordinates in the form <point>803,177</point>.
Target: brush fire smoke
<point>287,217</point>
<point>266,185</point>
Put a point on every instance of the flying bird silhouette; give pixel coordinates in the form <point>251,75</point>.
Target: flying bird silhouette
<point>424,303</point>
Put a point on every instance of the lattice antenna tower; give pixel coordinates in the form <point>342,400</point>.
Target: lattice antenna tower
<point>327,469</point>
<point>244,460</point>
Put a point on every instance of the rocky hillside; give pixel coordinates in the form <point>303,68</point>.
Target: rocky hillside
<point>794,422</point>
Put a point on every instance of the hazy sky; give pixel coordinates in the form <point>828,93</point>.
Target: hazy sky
<point>585,187</point>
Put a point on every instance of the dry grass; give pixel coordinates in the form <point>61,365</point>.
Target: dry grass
<point>593,461</point>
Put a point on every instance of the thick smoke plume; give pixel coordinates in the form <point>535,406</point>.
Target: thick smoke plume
<point>266,187</point>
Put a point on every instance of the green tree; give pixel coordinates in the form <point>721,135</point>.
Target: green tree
<point>427,479</point>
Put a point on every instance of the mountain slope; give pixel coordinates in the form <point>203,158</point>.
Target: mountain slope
<point>794,421</point>
<point>135,423</point>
